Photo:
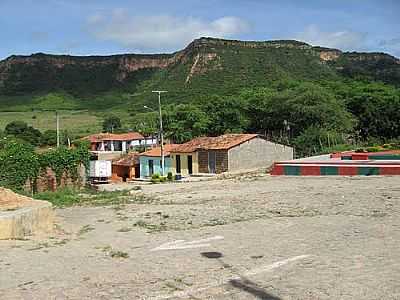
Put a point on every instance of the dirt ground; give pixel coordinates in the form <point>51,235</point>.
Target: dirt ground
<point>245,238</point>
<point>11,201</point>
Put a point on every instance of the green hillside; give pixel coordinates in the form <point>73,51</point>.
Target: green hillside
<point>205,67</point>
<point>312,97</point>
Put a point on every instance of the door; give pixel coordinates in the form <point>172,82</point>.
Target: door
<point>212,162</point>
<point>190,164</point>
<point>102,169</point>
<point>178,164</point>
<point>151,167</point>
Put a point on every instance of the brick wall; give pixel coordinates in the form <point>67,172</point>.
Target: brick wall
<point>203,162</point>
<point>47,181</point>
<point>221,161</point>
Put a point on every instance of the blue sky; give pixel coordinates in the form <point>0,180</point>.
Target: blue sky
<point>102,27</point>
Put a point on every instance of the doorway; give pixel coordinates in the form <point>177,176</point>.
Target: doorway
<point>212,157</point>
<point>178,164</point>
<point>190,164</point>
<point>151,167</point>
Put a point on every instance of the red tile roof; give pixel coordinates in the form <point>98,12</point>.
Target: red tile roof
<point>129,160</point>
<point>223,142</point>
<point>156,152</point>
<point>130,136</point>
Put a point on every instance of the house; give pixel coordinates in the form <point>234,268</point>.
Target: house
<point>122,142</point>
<point>150,161</point>
<point>227,153</point>
<point>126,167</point>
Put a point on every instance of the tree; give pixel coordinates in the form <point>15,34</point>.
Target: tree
<point>185,121</point>
<point>314,140</point>
<point>16,128</point>
<point>111,124</point>
<point>377,108</point>
<point>49,138</point>
<point>300,106</point>
<point>24,132</point>
<point>146,123</point>
<point>225,114</point>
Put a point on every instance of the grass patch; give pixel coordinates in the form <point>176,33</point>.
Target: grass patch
<point>151,227</point>
<point>69,197</point>
<point>124,229</point>
<point>118,254</point>
<point>76,122</point>
<point>113,253</point>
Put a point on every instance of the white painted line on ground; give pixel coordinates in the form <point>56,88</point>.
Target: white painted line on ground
<point>182,244</point>
<point>267,268</point>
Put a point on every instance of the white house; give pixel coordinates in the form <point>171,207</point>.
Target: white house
<point>122,142</point>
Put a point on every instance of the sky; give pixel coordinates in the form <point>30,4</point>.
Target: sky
<point>104,27</point>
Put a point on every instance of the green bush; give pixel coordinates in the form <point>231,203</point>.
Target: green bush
<point>170,177</point>
<point>155,180</point>
<point>20,163</point>
<point>373,149</point>
<point>163,179</point>
<point>155,176</point>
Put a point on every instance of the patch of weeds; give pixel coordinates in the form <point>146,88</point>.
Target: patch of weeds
<point>124,229</point>
<point>118,254</point>
<point>113,253</point>
<point>216,222</point>
<point>140,223</point>
<point>121,217</point>
<point>172,286</point>
<point>151,227</point>
<point>118,207</point>
<point>85,229</point>
<point>68,197</point>
<point>162,215</point>
<point>104,248</point>
<point>39,246</point>
<point>61,242</point>
<point>61,198</point>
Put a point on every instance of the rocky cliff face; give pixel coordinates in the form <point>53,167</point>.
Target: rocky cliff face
<point>123,63</point>
<point>26,74</point>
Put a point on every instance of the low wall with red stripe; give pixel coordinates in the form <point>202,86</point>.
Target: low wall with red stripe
<point>335,168</point>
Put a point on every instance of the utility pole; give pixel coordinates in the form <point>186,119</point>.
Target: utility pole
<point>58,129</point>
<point>161,130</point>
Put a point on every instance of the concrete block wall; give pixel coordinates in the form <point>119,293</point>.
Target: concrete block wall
<point>257,153</point>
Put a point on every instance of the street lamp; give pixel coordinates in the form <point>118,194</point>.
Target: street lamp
<point>161,130</point>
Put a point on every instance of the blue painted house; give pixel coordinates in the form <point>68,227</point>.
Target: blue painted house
<point>150,161</point>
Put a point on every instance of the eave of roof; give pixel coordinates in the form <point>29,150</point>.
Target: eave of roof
<point>223,142</point>
<point>156,152</point>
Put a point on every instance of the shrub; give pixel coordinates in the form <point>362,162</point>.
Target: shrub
<point>155,176</point>
<point>170,176</point>
<point>155,180</point>
<point>373,149</point>
<point>163,179</point>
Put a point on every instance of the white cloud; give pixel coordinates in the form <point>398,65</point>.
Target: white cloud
<point>159,32</point>
<point>391,46</point>
<point>345,40</point>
